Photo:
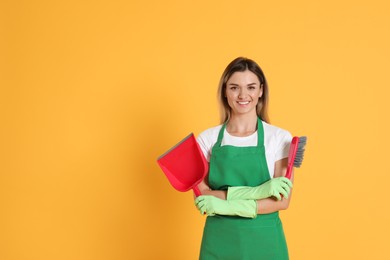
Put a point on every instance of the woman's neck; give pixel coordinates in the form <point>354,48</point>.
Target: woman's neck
<point>242,125</point>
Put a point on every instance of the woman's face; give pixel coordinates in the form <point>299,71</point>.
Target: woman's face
<point>243,91</point>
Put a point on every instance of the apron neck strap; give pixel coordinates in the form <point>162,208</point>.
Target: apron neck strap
<point>260,133</point>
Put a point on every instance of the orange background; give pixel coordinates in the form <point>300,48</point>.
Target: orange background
<point>92,92</point>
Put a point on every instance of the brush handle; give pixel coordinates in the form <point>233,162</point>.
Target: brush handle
<point>289,172</point>
<point>291,156</point>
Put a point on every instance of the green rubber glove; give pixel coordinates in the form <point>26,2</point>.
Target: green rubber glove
<point>212,206</point>
<point>272,188</point>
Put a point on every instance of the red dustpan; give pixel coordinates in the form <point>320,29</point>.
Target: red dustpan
<point>184,165</point>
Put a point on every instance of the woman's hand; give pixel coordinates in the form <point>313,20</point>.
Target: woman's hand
<point>211,206</point>
<point>272,188</point>
<point>270,205</point>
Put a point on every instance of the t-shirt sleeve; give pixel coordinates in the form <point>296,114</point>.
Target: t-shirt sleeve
<point>207,139</point>
<point>204,144</point>
<point>283,147</point>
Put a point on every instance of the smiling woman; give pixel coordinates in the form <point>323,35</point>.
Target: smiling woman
<point>238,74</point>
<point>243,91</point>
<point>248,162</point>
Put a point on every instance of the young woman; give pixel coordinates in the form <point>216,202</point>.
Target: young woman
<point>245,187</point>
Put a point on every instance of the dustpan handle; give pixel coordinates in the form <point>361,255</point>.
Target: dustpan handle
<point>196,191</point>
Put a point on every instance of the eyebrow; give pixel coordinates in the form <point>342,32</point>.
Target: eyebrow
<point>234,84</point>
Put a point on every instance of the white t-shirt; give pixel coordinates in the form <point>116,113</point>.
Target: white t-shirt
<point>276,141</point>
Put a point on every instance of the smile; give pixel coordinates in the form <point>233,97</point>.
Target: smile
<point>243,102</point>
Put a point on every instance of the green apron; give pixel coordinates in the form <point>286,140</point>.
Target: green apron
<point>230,237</point>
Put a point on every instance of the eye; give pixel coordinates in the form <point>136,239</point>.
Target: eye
<point>233,88</point>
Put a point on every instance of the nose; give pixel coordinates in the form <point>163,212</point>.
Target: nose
<point>242,93</point>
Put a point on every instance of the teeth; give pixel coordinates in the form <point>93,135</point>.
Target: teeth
<point>243,103</point>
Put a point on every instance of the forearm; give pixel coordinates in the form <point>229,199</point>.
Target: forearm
<point>206,190</point>
<point>270,205</point>
<point>221,194</point>
<point>264,205</point>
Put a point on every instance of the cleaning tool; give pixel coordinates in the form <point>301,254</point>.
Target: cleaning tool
<point>212,206</point>
<point>274,187</point>
<point>184,165</point>
<point>295,157</point>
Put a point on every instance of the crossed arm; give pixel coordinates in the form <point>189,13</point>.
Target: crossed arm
<point>264,206</point>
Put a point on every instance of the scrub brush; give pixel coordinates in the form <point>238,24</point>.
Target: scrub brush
<point>295,156</point>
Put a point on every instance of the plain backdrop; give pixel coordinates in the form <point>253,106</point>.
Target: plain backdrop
<point>92,92</point>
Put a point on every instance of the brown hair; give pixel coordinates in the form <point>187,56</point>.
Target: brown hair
<point>242,64</point>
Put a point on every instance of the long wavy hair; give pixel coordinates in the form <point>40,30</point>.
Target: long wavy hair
<point>242,64</point>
